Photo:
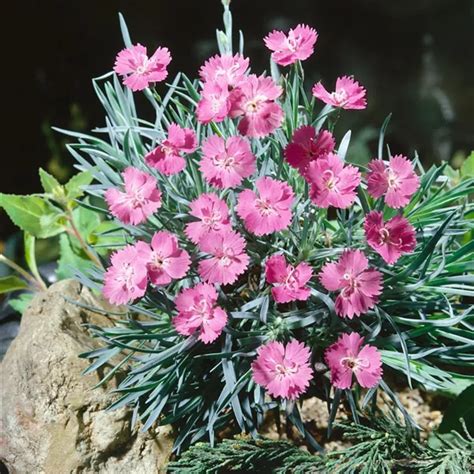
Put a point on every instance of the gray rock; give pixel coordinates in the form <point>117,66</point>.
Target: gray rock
<point>52,420</point>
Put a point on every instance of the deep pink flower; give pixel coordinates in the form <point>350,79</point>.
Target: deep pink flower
<point>284,371</point>
<point>197,311</point>
<point>225,163</point>
<point>396,180</point>
<point>213,215</point>
<point>215,102</point>
<point>297,45</point>
<point>389,239</point>
<point>267,210</point>
<point>126,278</point>
<point>168,156</point>
<point>332,183</point>
<point>347,356</point>
<point>288,281</point>
<point>166,261</point>
<point>348,94</point>
<point>140,199</point>
<point>225,69</point>
<point>254,101</point>
<point>360,286</point>
<point>138,69</point>
<point>306,145</point>
<point>227,260</point>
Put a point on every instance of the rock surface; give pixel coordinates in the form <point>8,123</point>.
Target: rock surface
<point>52,420</point>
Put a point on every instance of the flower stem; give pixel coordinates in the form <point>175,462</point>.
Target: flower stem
<point>38,283</point>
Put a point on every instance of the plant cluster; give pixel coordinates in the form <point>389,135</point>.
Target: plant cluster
<point>255,264</point>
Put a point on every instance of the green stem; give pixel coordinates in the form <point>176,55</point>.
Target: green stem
<point>37,283</point>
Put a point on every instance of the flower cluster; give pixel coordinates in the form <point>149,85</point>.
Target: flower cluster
<point>257,260</point>
<point>262,205</point>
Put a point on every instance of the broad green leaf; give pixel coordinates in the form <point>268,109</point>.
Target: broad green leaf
<point>461,407</point>
<point>50,183</point>
<point>21,303</point>
<point>33,214</point>
<point>467,168</point>
<point>11,283</point>
<point>69,260</point>
<point>74,187</point>
<point>30,254</point>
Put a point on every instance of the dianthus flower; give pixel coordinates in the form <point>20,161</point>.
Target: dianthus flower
<point>348,94</point>
<point>347,357</point>
<point>284,371</point>
<point>268,209</point>
<point>138,69</point>
<point>360,287</point>
<point>168,156</point>
<point>215,102</point>
<point>225,69</point>
<point>139,200</point>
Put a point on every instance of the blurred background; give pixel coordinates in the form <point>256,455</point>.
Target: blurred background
<point>415,57</point>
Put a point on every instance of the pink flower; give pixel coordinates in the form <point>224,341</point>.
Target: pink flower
<point>126,279</point>
<point>225,69</point>
<point>332,183</point>
<point>288,281</point>
<point>254,101</point>
<point>360,286</point>
<point>397,181</point>
<point>213,215</point>
<point>306,145</point>
<point>140,199</point>
<point>389,239</point>
<point>138,69</point>
<point>215,103</point>
<point>225,163</point>
<point>267,210</point>
<point>168,157</point>
<point>166,261</point>
<point>197,311</point>
<point>284,371</point>
<point>298,45</point>
<point>346,357</point>
<point>227,257</point>
<point>348,94</point>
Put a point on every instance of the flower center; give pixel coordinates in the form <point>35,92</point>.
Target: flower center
<point>143,67</point>
<point>292,42</point>
<point>292,279</point>
<point>384,235</point>
<point>330,180</point>
<point>283,370</point>
<point>225,162</point>
<point>253,105</point>
<point>340,96</point>
<point>126,276</point>
<point>350,286</point>
<point>393,179</point>
<point>353,363</point>
<point>202,308</point>
<point>264,207</point>
<point>212,220</point>
<point>226,257</point>
<point>157,261</point>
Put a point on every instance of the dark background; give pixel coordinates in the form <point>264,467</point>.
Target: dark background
<point>416,59</point>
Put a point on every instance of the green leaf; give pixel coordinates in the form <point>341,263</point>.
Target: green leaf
<point>467,168</point>
<point>33,214</point>
<point>50,183</point>
<point>74,187</point>
<point>11,283</point>
<point>21,303</point>
<point>30,254</point>
<point>461,407</point>
<point>69,260</point>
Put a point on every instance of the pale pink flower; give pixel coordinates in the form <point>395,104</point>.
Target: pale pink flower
<point>284,371</point>
<point>138,69</point>
<point>347,356</point>
<point>396,180</point>
<point>267,210</point>
<point>168,156</point>
<point>389,239</point>
<point>254,101</point>
<point>227,258</point>
<point>225,163</point>
<point>348,94</point>
<point>297,45</point>
<point>225,69</point>
<point>139,200</point>
<point>306,145</point>
<point>166,261</point>
<point>126,278</point>
<point>288,281</point>
<point>197,311</point>
<point>215,102</point>
<point>213,215</point>
<point>360,287</point>
<point>332,183</point>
